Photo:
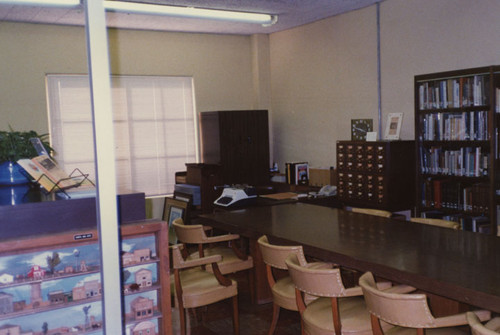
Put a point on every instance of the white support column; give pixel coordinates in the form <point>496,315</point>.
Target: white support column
<point>379,75</point>
<point>107,216</point>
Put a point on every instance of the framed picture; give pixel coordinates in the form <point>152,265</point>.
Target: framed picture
<point>393,126</point>
<point>173,209</point>
<point>184,197</point>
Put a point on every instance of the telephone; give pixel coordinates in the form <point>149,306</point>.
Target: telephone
<point>328,190</point>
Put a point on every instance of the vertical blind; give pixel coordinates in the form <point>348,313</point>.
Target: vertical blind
<point>154,128</point>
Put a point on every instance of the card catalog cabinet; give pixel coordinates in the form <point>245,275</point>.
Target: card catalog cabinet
<point>376,174</point>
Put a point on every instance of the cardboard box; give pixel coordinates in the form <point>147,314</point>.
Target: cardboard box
<point>322,176</point>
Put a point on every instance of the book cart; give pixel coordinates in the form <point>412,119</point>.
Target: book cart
<point>456,129</point>
<point>51,283</point>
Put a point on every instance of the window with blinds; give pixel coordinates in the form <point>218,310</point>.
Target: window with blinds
<point>154,128</point>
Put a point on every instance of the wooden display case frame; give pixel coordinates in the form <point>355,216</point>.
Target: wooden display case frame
<point>73,239</point>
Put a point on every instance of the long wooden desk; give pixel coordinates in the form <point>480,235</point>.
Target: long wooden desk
<point>458,265</point>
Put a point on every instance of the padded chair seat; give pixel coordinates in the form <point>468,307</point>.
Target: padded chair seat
<point>201,288</point>
<point>230,262</point>
<point>318,318</point>
<point>284,293</point>
<point>409,311</point>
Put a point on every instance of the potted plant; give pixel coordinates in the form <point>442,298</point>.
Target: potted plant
<point>15,145</point>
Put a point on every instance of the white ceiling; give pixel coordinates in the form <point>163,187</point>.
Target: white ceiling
<point>291,13</point>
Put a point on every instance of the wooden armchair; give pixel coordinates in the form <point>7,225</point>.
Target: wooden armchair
<point>408,311</point>
<point>195,287</point>
<point>232,258</point>
<point>282,288</point>
<point>338,310</point>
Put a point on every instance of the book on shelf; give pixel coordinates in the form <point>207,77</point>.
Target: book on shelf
<point>463,162</point>
<point>480,224</point>
<point>297,173</point>
<point>497,99</point>
<point>48,174</point>
<point>455,195</point>
<point>432,214</point>
<point>454,92</point>
<point>464,126</point>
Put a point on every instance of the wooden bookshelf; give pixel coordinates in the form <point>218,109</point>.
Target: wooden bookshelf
<point>456,130</point>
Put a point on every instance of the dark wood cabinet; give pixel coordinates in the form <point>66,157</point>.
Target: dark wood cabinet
<point>238,141</point>
<point>376,174</point>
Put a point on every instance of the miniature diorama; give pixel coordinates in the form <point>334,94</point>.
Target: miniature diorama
<point>139,261</point>
<point>59,291</point>
<point>138,250</point>
<point>141,306</point>
<point>80,319</point>
<point>138,278</point>
<point>149,327</point>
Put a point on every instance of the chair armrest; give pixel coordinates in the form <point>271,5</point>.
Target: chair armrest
<point>224,281</point>
<point>353,291</point>
<point>384,285</point>
<point>190,263</point>
<point>221,238</point>
<point>460,319</point>
<point>400,289</point>
<point>356,290</point>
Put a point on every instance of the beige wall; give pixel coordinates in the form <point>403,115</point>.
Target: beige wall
<point>426,36</point>
<point>324,74</point>
<point>27,53</point>
<point>220,64</point>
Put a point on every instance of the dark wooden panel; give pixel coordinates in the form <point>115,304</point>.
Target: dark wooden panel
<point>209,134</point>
<point>50,217</point>
<point>239,142</point>
<point>208,177</point>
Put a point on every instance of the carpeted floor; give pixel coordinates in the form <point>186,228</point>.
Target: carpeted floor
<point>254,319</point>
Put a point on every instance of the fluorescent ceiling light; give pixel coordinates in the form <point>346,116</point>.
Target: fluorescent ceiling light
<point>189,12</point>
<point>59,3</point>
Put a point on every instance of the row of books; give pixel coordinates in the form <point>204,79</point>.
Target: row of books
<point>297,173</point>
<point>454,92</point>
<point>465,126</point>
<point>497,99</point>
<point>479,224</point>
<point>463,162</point>
<point>450,194</point>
